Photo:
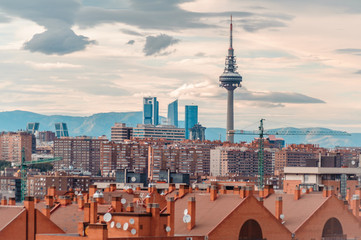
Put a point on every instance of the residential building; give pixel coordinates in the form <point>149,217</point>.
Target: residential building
<point>120,132</point>
<point>12,144</point>
<point>173,113</point>
<point>46,136</point>
<point>191,118</point>
<point>150,111</point>
<point>197,132</point>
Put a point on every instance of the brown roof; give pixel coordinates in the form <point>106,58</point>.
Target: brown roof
<point>67,218</point>
<point>208,213</point>
<point>296,211</point>
<point>8,214</point>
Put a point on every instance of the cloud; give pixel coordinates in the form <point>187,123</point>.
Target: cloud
<point>131,32</point>
<point>155,44</point>
<point>256,24</point>
<point>131,42</point>
<point>354,51</point>
<point>48,66</point>
<point>4,19</point>
<point>57,41</point>
<point>358,72</point>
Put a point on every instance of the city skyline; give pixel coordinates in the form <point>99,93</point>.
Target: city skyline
<point>299,66</point>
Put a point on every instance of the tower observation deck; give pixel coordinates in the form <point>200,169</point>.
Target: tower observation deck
<point>230,80</point>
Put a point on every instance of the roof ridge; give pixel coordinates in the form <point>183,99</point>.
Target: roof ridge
<point>13,219</point>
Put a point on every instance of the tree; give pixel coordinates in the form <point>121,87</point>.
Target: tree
<point>4,164</point>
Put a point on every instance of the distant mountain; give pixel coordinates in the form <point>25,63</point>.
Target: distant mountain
<point>100,124</point>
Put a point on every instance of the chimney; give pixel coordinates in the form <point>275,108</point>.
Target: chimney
<point>12,201</point>
<point>171,212</point>
<point>93,211</point>
<point>171,187</point>
<point>30,208</point>
<point>130,207</point>
<point>242,192</point>
<point>117,204</point>
<point>97,232</point>
<point>223,190</point>
<point>279,206</point>
<point>155,219</point>
<point>112,187</point>
<point>138,188</point>
<point>236,190</point>
<point>325,191</point>
<point>4,201</point>
<point>52,191</point>
<point>331,191</point>
<point>190,189</point>
<point>80,202</point>
<point>92,190</point>
<point>183,190</point>
<point>192,212</point>
<point>196,188</point>
<point>149,207</point>
<point>86,212</point>
<point>46,211</point>
<point>261,200</point>
<point>358,191</point>
<point>63,201</point>
<point>261,193</point>
<point>297,193</point>
<point>248,191</point>
<point>208,189</point>
<point>213,192</point>
<point>348,195</point>
<point>355,205</point>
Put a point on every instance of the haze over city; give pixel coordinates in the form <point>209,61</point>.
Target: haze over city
<point>299,60</point>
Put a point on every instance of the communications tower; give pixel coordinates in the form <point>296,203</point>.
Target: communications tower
<point>230,80</point>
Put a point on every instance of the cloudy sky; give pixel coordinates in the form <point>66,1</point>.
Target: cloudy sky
<point>300,60</point>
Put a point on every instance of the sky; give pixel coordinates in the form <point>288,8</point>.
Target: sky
<point>300,60</point>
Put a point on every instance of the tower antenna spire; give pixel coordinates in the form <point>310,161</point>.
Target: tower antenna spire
<point>230,35</point>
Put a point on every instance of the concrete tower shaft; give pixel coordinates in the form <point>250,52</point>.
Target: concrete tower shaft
<point>230,80</point>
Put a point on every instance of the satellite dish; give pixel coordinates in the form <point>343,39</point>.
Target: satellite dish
<point>282,216</point>
<point>185,211</point>
<point>133,179</point>
<point>76,192</point>
<point>353,162</point>
<point>107,217</point>
<point>148,196</point>
<point>303,190</point>
<point>133,231</point>
<point>131,221</point>
<point>123,201</point>
<point>186,218</point>
<point>119,225</point>
<point>133,188</point>
<point>167,229</point>
<point>112,224</point>
<point>125,226</point>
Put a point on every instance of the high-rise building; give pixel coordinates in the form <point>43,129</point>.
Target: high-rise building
<point>191,117</point>
<point>46,136</point>
<point>32,127</point>
<point>230,80</point>
<point>120,132</point>
<point>173,113</point>
<point>61,130</point>
<point>150,111</point>
<point>197,132</point>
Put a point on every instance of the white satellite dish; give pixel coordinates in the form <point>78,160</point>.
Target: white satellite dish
<point>303,190</point>
<point>133,179</point>
<point>118,225</point>
<point>133,188</point>
<point>186,218</point>
<point>353,162</point>
<point>133,231</point>
<point>112,224</point>
<point>282,216</point>
<point>185,211</point>
<point>76,192</point>
<point>167,229</point>
<point>131,221</point>
<point>123,201</point>
<point>148,196</point>
<point>125,226</point>
<point>107,217</point>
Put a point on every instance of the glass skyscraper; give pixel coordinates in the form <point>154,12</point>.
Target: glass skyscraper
<point>150,111</point>
<point>191,118</point>
<point>61,130</point>
<point>173,113</point>
<point>32,127</point>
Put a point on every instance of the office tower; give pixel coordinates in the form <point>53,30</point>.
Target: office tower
<point>167,132</point>
<point>230,80</point>
<point>32,127</point>
<point>197,132</point>
<point>61,130</point>
<point>150,111</point>
<point>191,118</point>
<point>173,113</point>
<point>120,132</point>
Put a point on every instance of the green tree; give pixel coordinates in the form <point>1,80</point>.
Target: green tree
<point>4,164</point>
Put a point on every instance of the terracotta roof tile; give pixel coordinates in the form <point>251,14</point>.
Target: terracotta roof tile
<point>67,218</point>
<point>296,211</point>
<point>8,214</point>
<point>208,213</point>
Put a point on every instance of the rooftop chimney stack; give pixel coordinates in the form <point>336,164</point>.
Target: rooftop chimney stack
<point>279,208</point>
<point>192,212</point>
<point>171,212</point>
<point>213,192</point>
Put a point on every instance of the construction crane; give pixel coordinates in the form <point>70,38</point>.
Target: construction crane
<point>23,170</point>
<point>261,132</point>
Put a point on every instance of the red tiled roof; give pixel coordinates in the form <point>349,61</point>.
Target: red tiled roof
<point>8,214</point>
<point>296,211</point>
<point>208,213</point>
<point>67,218</point>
